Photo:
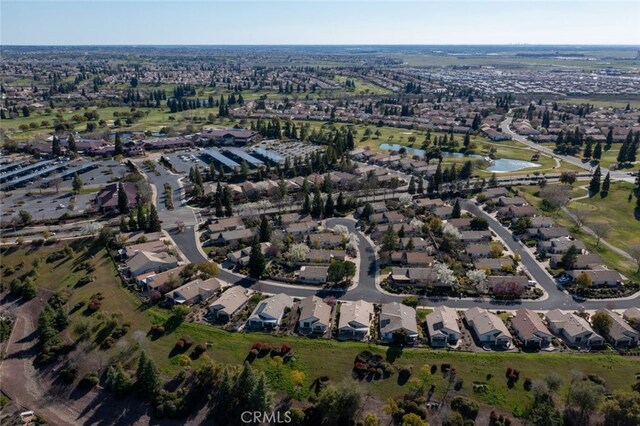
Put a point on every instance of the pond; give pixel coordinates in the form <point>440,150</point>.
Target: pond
<point>421,152</point>
<point>504,165</point>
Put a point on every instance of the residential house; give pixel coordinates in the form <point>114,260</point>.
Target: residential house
<point>632,314</point>
<point>395,318</point>
<point>225,224</point>
<point>233,237</point>
<point>268,313</point>
<point>443,212</point>
<point>478,251</point>
<point>599,277</point>
<point>242,256</point>
<point>419,244</point>
<point>512,212</point>
<point>493,265</point>
<point>495,192</point>
<point>195,291</point>
<point>497,282</point>
<point>355,320</point>
<point>313,274</point>
<point>315,315</point>
<point>157,246</point>
<point>488,327</point>
<point>621,334</point>
<point>143,261</point>
<point>414,276</point>
<point>530,328</point>
<point>511,201</point>
<point>442,326</point>
<point>324,256</point>
<point>573,328</point>
<point>475,236</point>
<point>229,303</point>
<point>583,261</point>
<point>415,259</point>
<point>560,245</point>
<point>462,223</point>
<point>158,281</point>
<point>325,240</point>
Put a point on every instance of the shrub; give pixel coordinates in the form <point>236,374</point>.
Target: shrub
<point>108,342</point>
<point>157,330</point>
<point>285,348</point>
<point>597,379</point>
<point>404,374</point>
<point>89,381</point>
<point>445,367</point>
<point>200,348</point>
<point>364,356</point>
<point>509,371</point>
<point>410,301</point>
<point>68,374</point>
<point>465,406</point>
<point>527,384</point>
<point>458,384</point>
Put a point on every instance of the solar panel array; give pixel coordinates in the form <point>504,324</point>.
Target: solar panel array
<point>242,154</point>
<point>217,156</point>
<point>269,155</point>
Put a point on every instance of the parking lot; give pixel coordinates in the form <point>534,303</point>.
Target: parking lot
<point>183,161</point>
<point>44,206</point>
<point>288,149</point>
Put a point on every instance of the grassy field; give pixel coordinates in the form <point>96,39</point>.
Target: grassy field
<point>617,211</point>
<point>364,87</point>
<point>602,102</point>
<point>619,236</point>
<point>315,358</point>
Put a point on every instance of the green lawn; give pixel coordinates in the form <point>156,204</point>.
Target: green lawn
<point>617,211</point>
<point>363,87</point>
<point>313,357</point>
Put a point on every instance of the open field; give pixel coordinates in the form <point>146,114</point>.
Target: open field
<point>363,87</point>
<point>315,358</point>
<point>619,102</point>
<point>617,211</point>
<point>616,236</point>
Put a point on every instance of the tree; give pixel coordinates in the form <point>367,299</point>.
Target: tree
<point>605,185</point>
<point>55,147</point>
<point>265,229</point>
<point>479,224</point>
<point>420,185</point>
<point>118,145</point>
<point>634,251</point>
<point>340,270</point>
<point>554,197</point>
<point>623,409</point>
<point>76,184</point>
<point>412,185</point>
<point>329,207</point>
<point>123,200</point>
<point>316,205</point>
<point>141,218</point>
<point>25,217</point>
<point>594,184</point>
<point>600,230</point>
<point>367,211</point>
<point>583,281</point>
<point>71,144</point>
<point>597,151</point>
<point>493,181</point>
<point>148,376</point>
<point>412,419</point>
<point>585,396</point>
<point>260,398</point>
<point>118,381</point>
<point>570,257</point>
<point>297,252</point>
<point>154,220</point>
<point>455,213</point>
<point>601,322</point>
<point>579,216</point>
<point>337,404</point>
<point>568,178</point>
<point>340,203</point>
<point>257,262</point>
<point>389,239</point>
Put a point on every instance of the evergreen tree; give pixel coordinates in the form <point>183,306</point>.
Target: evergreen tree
<point>609,140</point>
<point>420,185</point>
<point>118,381</point>
<point>594,185</point>
<point>260,396</point>
<point>148,376</point>
<point>77,183</point>
<point>367,211</point>
<point>123,200</point>
<point>154,220</point>
<point>605,186</point>
<point>141,219</point>
<point>493,181</point>
<point>306,206</point>
<point>316,206</point>
<point>340,204</point>
<point>118,145</point>
<point>225,393</point>
<point>597,151</point>
<point>455,213</point>
<point>56,151</point>
<point>389,239</point>
<point>132,221</point>
<point>256,260</point>
<point>71,144</point>
<point>328,206</point>
<point>265,230</point>
<point>412,185</point>
<point>622,154</point>
<point>227,200</point>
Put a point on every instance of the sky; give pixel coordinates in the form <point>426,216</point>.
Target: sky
<point>217,22</point>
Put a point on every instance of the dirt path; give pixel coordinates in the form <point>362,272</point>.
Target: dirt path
<point>18,377</point>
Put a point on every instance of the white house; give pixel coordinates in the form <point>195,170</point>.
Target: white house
<point>573,328</point>
<point>442,326</point>
<point>315,315</point>
<point>488,327</point>
<point>355,320</point>
<point>396,317</point>
<point>229,303</point>
<point>269,312</point>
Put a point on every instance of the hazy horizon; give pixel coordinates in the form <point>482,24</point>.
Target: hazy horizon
<point>319,22</point>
